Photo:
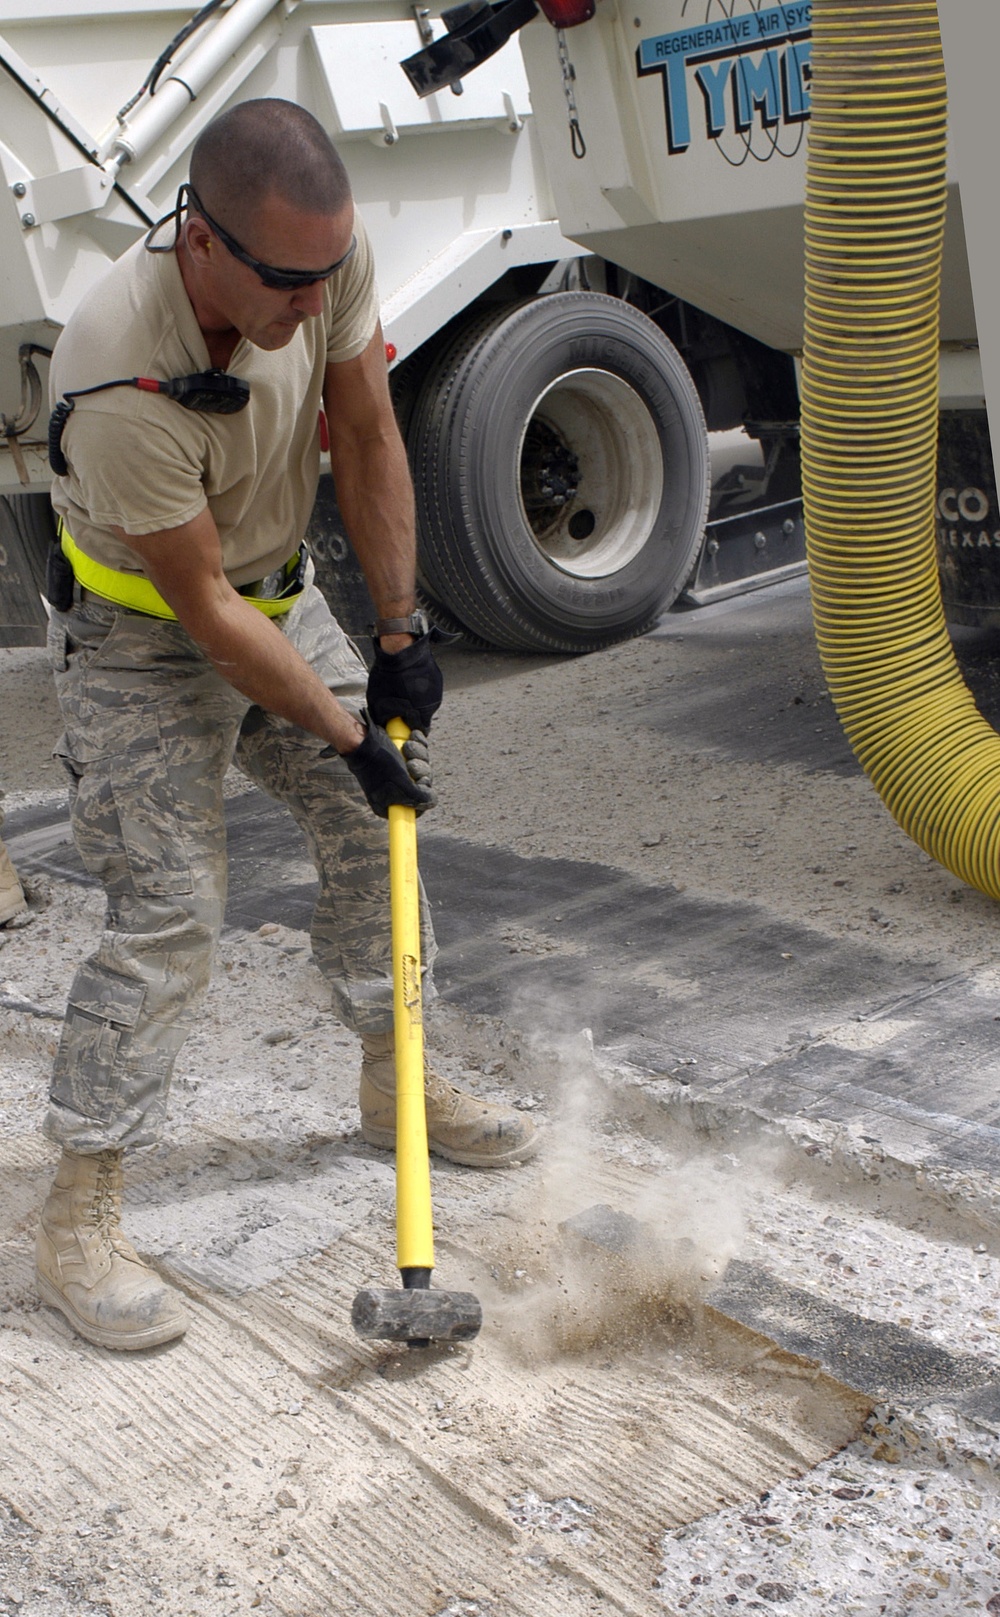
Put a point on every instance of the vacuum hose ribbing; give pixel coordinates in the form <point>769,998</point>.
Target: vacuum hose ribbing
<point>875,205</point>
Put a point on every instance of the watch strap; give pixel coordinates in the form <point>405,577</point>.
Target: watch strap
<point>415,624</point>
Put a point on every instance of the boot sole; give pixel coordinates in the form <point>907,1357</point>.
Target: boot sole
<point>385,1140</point>
<point>120,1341</point>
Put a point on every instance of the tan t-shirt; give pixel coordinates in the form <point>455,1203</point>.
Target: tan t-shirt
<point>142,462</point>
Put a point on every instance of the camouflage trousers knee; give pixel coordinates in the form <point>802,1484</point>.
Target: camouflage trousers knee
<point>150,731</point>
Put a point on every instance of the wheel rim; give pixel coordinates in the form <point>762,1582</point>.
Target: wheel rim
<point>591,473</point>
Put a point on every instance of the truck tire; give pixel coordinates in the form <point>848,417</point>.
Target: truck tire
<point>561,471</point>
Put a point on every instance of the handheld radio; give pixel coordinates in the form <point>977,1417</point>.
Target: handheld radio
<point>210,392</point>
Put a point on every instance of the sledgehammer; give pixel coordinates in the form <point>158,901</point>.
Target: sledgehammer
<point>416,1315</point>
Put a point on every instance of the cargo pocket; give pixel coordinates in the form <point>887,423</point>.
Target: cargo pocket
<point>146,805</point>
<point>88,1074</point>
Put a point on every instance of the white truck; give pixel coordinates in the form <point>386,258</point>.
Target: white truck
<point>589,246</point>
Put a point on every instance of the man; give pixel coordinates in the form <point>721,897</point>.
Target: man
<point>187,640</point>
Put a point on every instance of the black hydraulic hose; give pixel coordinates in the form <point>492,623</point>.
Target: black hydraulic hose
<point>152,77</point>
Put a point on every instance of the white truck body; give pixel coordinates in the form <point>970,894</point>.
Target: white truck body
<point>584,516</point>
<point>453,194</point>
<point>695,124</point>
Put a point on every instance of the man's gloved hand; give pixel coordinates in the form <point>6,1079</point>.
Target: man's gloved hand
<point>386,774</point>
<point>405,685</point>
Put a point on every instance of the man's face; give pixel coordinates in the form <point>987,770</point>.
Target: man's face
<point>229,294</point>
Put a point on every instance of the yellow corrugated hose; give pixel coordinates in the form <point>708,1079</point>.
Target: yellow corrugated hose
<point>875,205</point>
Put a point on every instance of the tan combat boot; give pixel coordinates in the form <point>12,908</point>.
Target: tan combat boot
<point>460,1128</point>
<point>89,1271</point>
<point>12,900</point>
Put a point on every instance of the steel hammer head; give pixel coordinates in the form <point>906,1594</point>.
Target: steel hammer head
<point>416,1315</point>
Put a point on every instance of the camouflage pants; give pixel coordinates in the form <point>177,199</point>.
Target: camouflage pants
<point>151,730</point>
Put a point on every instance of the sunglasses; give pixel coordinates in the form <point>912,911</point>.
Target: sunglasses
<point>284,280</point>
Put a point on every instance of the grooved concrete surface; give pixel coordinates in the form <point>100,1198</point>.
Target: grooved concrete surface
<point>679,929</point>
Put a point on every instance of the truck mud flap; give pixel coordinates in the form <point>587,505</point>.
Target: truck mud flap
<point>338,571</point>
<point>23,619</point>
<point>968,519</point>
<point>746,552</point>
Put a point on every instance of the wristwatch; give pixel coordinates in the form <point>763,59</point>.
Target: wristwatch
<point>416,624</point>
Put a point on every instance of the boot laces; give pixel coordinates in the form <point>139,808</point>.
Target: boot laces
<point>106,1206</point>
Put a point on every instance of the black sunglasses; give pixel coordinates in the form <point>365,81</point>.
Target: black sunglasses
<point>278,279</point>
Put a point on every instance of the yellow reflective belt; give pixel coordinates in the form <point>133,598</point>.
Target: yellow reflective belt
<point>137,593</point>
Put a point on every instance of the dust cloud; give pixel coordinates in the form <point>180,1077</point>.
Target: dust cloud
<point>604,1256</point>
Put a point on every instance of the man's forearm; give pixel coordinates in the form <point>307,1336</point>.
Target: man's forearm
<point>243,645</point>
<point>252,654</point>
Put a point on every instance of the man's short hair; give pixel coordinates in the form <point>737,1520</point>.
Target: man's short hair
<point>266,146</point>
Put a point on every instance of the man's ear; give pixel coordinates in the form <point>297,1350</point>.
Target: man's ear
<point>198,240</point>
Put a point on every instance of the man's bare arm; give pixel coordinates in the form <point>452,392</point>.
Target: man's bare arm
<point>185,565</point>
<point>374,490</point>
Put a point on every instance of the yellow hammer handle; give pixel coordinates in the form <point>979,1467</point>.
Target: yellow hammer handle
<point>414,1220</point>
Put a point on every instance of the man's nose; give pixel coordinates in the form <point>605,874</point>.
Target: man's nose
<point>308,300</point>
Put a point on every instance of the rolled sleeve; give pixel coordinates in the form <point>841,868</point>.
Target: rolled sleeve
<point>353,304</point>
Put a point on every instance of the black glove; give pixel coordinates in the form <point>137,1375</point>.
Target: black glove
<point>405,685</point>
<point>387,775</point>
